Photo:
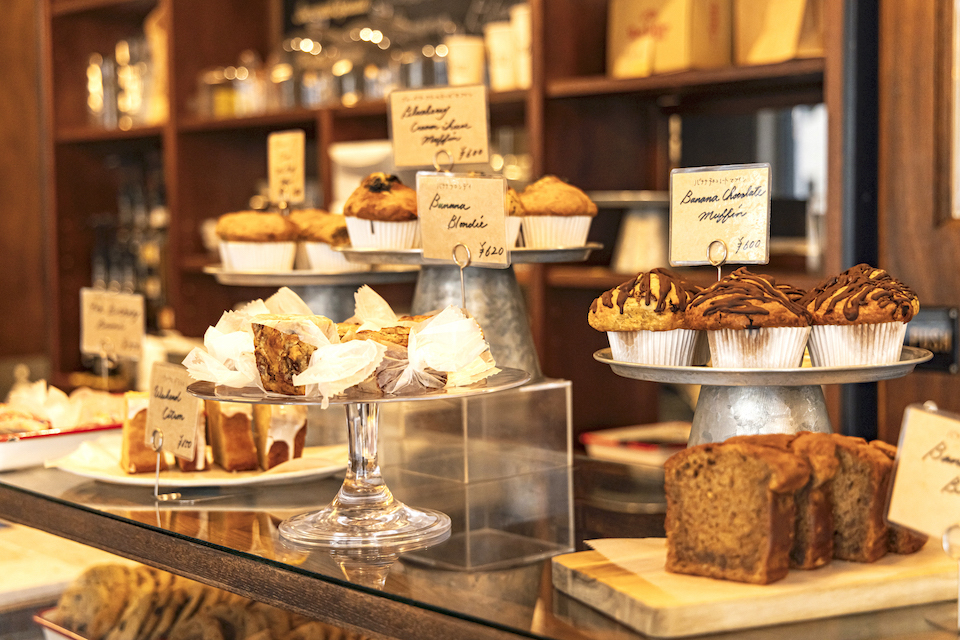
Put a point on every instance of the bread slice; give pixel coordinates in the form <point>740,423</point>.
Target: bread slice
<point>813,534</point>
<point>859,499</point>
<point>280,432</point>
<point>731,509</point>
<point>135,455</point>
<point>900,539</point>
<point>231,435</point>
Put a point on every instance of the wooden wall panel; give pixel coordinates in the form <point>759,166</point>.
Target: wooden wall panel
<point>21,227</point>
<point>918,243</point>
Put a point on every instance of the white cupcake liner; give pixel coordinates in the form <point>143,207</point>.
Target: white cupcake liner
<point>258,256</point>
<point>856,344</point>
<point>552,232</point>
<point>321,257</point>
<point>665,348</point>
<point>383,234</point>
<point>513,230</point>
<point>764,348</point>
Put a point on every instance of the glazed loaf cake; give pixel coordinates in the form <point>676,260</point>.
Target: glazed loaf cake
<point>731,509</point>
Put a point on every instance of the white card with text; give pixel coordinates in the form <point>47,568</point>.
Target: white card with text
<point>111,324</point>
<point>440,126</point>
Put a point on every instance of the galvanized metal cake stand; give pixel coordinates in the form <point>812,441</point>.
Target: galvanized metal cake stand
<point>364,514</point>
<point>493,296</point>
<point>750,401</point>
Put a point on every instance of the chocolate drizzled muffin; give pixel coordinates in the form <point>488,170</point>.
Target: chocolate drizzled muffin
<point>750,322</point>
<point>860,317</point>
<point>382,213</point>
<point>861,295</point>
<point>644,319</point>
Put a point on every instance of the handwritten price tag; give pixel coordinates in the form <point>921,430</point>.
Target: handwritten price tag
<point>111,323</point>
<point>172,410</point>
<point>453,120</point>
<point>460,209</point>
<point>285,158</point>
<point>727,203</point>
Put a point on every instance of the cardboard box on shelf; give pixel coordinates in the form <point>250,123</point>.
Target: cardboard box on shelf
<point>646,37</point>
<point>771,31</point>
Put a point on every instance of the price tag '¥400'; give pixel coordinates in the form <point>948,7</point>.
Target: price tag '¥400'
<point>449,122</point>
<point>172,410</point>
<point>729,204</point>
<point>111,323</point>
<point>462,209</point>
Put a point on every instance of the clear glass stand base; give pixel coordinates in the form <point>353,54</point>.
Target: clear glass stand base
<point>397,527</point>
<point>364,514</point>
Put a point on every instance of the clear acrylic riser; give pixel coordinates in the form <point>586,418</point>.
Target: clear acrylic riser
<point>751,401</point>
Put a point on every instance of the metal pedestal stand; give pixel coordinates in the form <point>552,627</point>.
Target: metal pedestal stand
<point>751,401</point>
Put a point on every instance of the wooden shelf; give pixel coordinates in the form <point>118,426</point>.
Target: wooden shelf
<point>280,118</point>
<point>94,134</point>
<point>70,7</point>
<point>791,76</point>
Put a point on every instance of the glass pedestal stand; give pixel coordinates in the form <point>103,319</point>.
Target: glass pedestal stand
<point>364,514</point>
<point>736,402</point>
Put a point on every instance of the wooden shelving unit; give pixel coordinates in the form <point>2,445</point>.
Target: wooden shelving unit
<point>599,133</point>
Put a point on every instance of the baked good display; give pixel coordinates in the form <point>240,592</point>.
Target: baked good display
<point>900,540</point>
<point>120,602</point>
<point>319,232</point>
<point>644,319</point>
<point>135,455</point>
<point>231,435</point>
<point>255,241</point>
<point>813,530</point>
<point>13,421</point>
<point>859,502</point>
<point>281,354</point>
<point>280,432</point>
<point>382,214</point>
<point>859,317</point>
<point>731,510</point>
<point>556,214</point>
<point>750,322</point>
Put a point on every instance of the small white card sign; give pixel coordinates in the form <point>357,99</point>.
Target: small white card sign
<point>462,209</point>
<point>172,410</point>
<point>729,204</point>
<point>285,158</point>
<point>926,488</point>
<point>440,122</point>
<point>111,323</point>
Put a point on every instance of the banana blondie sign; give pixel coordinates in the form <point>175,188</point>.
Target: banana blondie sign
<point>720,215</point>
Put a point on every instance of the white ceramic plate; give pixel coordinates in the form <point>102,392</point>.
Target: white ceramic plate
<point>100,460</point>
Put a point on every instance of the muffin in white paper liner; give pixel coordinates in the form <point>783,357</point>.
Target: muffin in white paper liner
<point>552,232</point>
<point>258,256</point>
<point>513,229</point>
<point>321,257</point>
<point>665,348</point>
<point>383,234</point>
<point>856,344</point>
<point>763,348</point>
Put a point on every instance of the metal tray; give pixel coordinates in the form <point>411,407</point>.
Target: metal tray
<point>518,255</point>
<point>910,357</point>
<point>303,277</point>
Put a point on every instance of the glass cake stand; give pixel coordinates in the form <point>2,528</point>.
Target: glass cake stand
<point>750,401</point>
<point>364,514</point>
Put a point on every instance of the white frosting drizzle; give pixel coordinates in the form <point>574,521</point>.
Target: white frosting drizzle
<point>285,422</point>
<point>136,402</point>
<point>236,408</point>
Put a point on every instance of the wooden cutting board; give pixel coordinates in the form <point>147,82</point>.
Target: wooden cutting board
<point>639,593</point>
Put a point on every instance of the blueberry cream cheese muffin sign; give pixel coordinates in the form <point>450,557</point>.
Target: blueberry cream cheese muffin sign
<point>720,215</point>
